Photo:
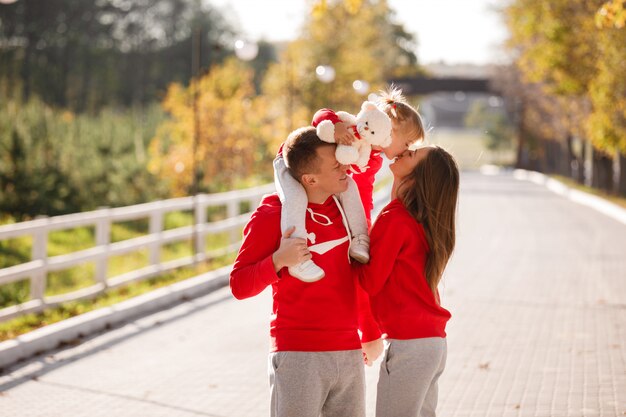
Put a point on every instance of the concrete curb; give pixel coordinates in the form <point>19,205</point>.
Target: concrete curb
<point>597,203</point>
<point>66,331</point>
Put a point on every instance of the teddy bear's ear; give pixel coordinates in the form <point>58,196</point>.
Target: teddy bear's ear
<point>368,105</point>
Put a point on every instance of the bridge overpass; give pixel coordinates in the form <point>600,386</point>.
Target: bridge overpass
<point>444,101</point>
<point>415,86</point>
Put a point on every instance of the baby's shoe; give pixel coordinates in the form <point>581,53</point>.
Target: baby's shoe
<point>360,248</point>
<point>307,271</point>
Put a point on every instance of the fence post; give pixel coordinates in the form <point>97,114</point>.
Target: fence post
<point>40,252</point>
<point>155,228</point>
<point>200,218</point>
<point>232,210</point>
<point>255,202</point>
<point>103,238</point>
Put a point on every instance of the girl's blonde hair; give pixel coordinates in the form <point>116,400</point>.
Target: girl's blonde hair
<point>430,193</point>
<point>393,102</point>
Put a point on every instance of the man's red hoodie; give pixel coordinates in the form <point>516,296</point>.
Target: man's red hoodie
<point>319,316</point>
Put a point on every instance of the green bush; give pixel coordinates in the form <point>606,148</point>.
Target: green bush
<point>54,162</point>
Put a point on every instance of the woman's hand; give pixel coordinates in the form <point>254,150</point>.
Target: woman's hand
<point>292,251</point>
<point>372,350</point>
<point>343,134</point>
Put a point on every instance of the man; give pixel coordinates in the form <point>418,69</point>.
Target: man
<point>316,357</point>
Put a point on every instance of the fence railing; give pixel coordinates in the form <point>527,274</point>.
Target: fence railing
<point>36,270</point>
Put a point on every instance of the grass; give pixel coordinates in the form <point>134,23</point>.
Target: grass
<point>382,182</point>
<point>469,148</point>
<point>29,322</point>
<point>16,251</point>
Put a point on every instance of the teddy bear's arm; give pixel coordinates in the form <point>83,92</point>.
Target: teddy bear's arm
<point>347,118</point>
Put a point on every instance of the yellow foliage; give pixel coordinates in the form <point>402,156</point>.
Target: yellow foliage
<point>576,50</point>
<point>228,136</point>
<point>238,131</point>
<point>67,116</point>
<point>358,39</point>
<point>554,42</point>
<point>607,91</point>
<point>353,6</point>
<point>321,6</point>
<point>611,14</point>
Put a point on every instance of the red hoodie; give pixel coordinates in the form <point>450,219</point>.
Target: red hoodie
<point>401,300</point>
<point>319,316</point>
<point>364,178</point>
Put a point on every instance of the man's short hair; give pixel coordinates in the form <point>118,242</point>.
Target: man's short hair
<point>300,151</point>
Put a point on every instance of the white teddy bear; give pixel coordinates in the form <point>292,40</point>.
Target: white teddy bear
<point>371,126</point>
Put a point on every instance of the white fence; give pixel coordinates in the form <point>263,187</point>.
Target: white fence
<point>37,269</point>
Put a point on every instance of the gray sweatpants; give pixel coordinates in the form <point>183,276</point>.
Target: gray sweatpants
<point>409,372</point>
<point>313,384</point>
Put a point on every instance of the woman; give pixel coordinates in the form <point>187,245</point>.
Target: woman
<point>411,243</point>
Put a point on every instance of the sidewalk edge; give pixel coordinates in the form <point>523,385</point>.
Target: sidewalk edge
<point>52,336</point>
<point>599,204</point>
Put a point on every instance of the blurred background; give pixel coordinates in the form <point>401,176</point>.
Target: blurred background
<point>116,102</point>
<point>110,103</point>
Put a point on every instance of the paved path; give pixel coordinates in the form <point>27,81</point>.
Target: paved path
<point>537,290</point>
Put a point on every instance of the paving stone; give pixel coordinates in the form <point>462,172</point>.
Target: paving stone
<point>537,289</point>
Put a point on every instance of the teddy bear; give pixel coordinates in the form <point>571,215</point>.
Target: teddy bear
<point>371,126</point>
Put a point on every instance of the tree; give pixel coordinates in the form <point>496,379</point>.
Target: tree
<point>88,54</point>
<point>55,162</point>
<point>612,13</point>
<point>607,121</point>
<point>230,141</point>
<point>359,39</point>
<point>559,47</point>
<point>495,123</point>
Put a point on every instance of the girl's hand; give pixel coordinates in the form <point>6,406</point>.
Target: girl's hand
<point>292,251</point>
<point>372,350</point>
<point>343,134</point>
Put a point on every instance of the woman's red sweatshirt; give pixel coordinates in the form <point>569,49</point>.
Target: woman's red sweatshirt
<point>401,300</point>
<point>320,316</point>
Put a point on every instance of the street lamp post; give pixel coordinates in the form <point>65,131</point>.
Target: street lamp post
<point>290,92</point>
<point>246,51</point>
<point>196,54</point>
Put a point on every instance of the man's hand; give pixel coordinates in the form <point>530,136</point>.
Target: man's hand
<point>343,134</point>
<point>372,350</point>
<point>292,251</point>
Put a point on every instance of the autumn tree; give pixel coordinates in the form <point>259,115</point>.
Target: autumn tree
<point>559,48</point>
<point>229,139</point>
<point>360,40</point>
<point>86,55</point>
<point>607,122</point>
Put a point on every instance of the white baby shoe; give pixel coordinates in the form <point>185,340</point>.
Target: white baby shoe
<point>360,248</point>
<point>307,271</point>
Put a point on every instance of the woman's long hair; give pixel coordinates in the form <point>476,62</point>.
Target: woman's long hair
<point>430,194</point>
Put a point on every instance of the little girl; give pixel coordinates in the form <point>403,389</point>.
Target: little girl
<point>357,201</point>
<point>411,243</point>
